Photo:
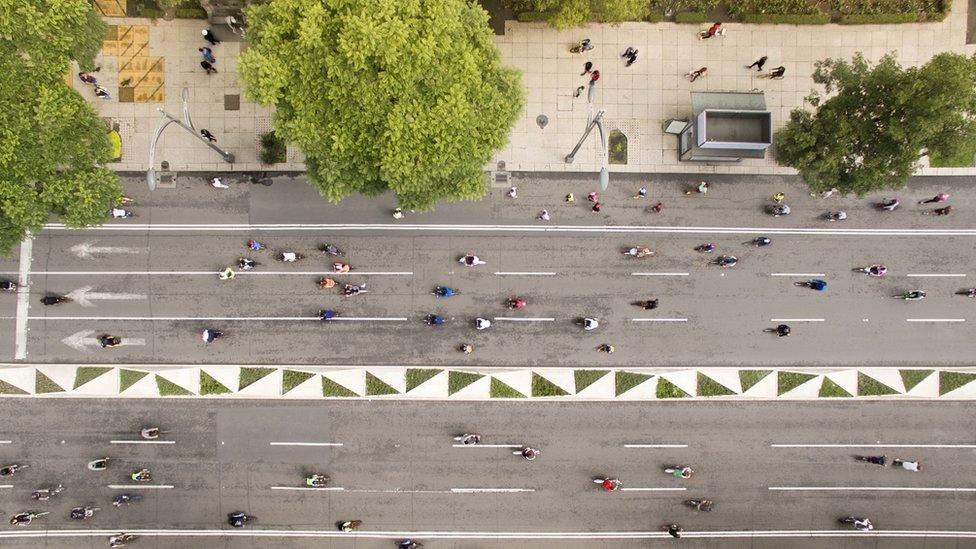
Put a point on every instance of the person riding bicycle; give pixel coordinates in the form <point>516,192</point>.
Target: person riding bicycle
<point>150,433</point>
<point>434,320</point>
<point>109,341</point>
<point>590,323</point>
<point>245,264</point>
<point>482,323</point>
<point>444,291</point>
<point>327,314</point>
<point>53,299</point>
<point>516,303</point>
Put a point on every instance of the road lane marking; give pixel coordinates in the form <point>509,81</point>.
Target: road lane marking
<point>659,320</point>
<point>519,273</point>
<point>875,445</point>
<point>488,446</point>
<point>796,320</point>
<point>525,319</point>
<point>139,441</point>
<point>84,296</point>
<point>599,229</point>
<point>251,532</point>
<point>652,489</point>
<point>655,445</point>
<point>6,485</point>
<point>310,488</point>
<point>6,441</point>
<point>659,274</point>
<point>215,273</point>
<point>868,489</point>
<point>86,250</point>
<point>935,320</point>
<point>490,490</point>
<point>305,443</point>
<point>798,274</point>
<point>225,318</point>
<point>23,297</point>
<point>140,486</point>
<point>939,275</point>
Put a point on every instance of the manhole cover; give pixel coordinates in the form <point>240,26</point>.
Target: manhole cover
<point>232,102</point>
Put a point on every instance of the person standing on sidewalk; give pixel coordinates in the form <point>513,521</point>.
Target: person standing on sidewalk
<point>208,35</point>
<point>207,54</point>
<point>87,78</point>
<point>587,67</point>
<point>579,90</point>
<point>758,64</point>
<point>695,75</point>
<point>594,76</point>
<point>208,67</point>
<point>208,136</point>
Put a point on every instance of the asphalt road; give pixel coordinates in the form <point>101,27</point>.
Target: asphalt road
<point>393,465</point>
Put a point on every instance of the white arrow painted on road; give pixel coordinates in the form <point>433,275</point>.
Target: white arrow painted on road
<point>84,296</point>
<point>80,341</point>
<point>86,250</point>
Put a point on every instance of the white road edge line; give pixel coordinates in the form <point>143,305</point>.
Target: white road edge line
<point>6,441</point>
<point>215,273</point>
<point>935,320</point>
<point>655,445</point>
<point>474,535</point>
<point>659,274</point>
<point>867,489</point>
<point>875,445</point>
<point>225,318</point>
<point>798,274</point>
<point>23,297</point>
<point>140,486</point>
<point>525,319</point>
<point>653,489</point>
<point>796,320</point>
<point>134,441</point>
<point>490,490</point>
<point>487,446</point>
<point>310,488</point>
<point>6,485</point>
<point>305,444</point>
<point>946,275</point>
<point>659,320</point>
<point>517,273</point>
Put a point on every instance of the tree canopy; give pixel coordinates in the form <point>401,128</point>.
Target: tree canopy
<point>879,120</point>
<point>53,146</point>
<point>563,14</point>
<point>402,95</point>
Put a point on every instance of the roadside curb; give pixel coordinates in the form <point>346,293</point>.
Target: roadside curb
<point>497,384</point>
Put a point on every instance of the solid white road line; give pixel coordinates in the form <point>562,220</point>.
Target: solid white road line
<point>215,273</point>
<point>487,446</point>
<point>310,488</point>
<point>943,275</point>
<point>524,319</point>
<point>140,486</point>
<point>517,273</point>
<point>653,489</point>
<point>659,274</point>
<point>23,298</point>
<point>867,489</point>
<point>305,444</point>
<point>475,535</point>
<point>935,320</point>
<point>796,320</point>
<point>140,441</point>
<point>6,441</point>
<point>659,320</point>
<point>225,318</point>
<point>6,485</point>
<point>798,274</point>
<point>874,445</point>
<point>655,445</point>
<point>490,490</point>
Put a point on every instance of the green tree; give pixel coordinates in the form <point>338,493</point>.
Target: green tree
<point>563,14</point>
<point>53,146</point>
<point>879,120</point>
<point>398,95</point>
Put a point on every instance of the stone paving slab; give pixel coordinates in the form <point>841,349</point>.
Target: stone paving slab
<point>638,99</point>
<point>465,384</point>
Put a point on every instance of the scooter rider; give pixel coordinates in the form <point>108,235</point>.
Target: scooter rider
<point>209,335</point>
<point>590,324</point>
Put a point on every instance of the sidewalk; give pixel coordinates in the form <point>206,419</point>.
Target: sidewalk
<point>638,99</point>
<point>467,384</point>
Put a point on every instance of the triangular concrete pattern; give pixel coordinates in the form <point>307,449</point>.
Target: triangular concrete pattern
<point>21,378</point>
<point>479,389</point>
<point>887,376</point>
<point>310,388</point>
<point>686,380</point>
<point>435,387</point>
<point>727,377</point>
<point>354,380</point>
<point>807,389</point>
<point>106,384</point>
<point>563,378</point>
<point>394,377</point>
<point>520,380</point>
<point>847,379</point>
<point>187,378</point>
<point>603,388</point>
<point>62,375</point>
<point>228,376</point>
<point>645,390</point>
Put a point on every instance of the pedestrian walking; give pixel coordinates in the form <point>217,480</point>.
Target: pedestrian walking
<point>579,90</point>
<point>587,67</point>
<point>513,192</point>
<point>570,198</point>
<point>397,213</point>
<point>939,198</point>
<point>87,78</point>
<point>102,93</point>
<point>758,64</point>
<point>208,35</point>
<point>641,193</point>
<point>594,76</point>
<point>543,215</point>
<point>584,45</point>
<point>592,196</point>
<point>657,207</point>
<point>778,197</point>
<point>207,54</point>
<point>712,31</point>
<point>695,75</point>
<point>606,348</point>
<point>208,67</point>
<point>218,184</point>
<point>631,55</point>
<point>777,73</point>
<point>208,136</point>
<point>596,207</point>
<point>826,194</point>
<point>674,530</point>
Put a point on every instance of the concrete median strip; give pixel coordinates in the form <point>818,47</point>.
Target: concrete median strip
<point>467,384</point>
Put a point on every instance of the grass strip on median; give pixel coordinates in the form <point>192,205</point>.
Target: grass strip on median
<point>830,389</point>
<point>502,390</point>
<point>293,378</point>
<point>210,386</point>
<point>950,381</point>
<point>911,378</point>
<point>868,386</point>
<point>787,381</point>
<point>542,387</point>
<point>332,389</point>
<point>87,373</point>
<point>128,378</point>
<point>709,387</point>
<point>377,387</point>
<point>585,378</point>
<point>44,384</point>
<point>168,388</point>
<point>749,378</point>
<point>666,389</point>
<point>415,377</point>
<point>251,375</point>
<point>626,381</point>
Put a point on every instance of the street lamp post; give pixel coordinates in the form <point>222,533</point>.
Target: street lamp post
<point>165,120</point>
<point>592,121</point>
